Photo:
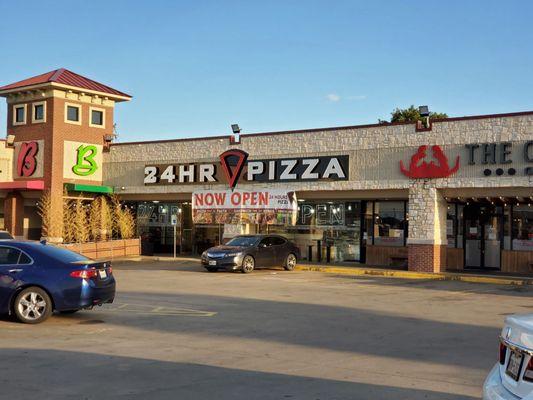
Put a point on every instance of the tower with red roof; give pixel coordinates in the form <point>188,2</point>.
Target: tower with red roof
<point>58,125</point>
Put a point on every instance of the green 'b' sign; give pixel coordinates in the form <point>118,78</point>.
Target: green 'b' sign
<point>85,164</point>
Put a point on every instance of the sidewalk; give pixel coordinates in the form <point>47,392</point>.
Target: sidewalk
<point>366,270</point>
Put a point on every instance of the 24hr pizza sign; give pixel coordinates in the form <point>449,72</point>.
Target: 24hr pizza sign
<point>233,166</point>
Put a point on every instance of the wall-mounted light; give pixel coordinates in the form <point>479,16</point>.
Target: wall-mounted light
<point>10,140</point>
<point>236,138</point>
<point>423,111</point>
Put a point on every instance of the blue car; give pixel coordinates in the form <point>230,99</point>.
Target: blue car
<point>37,278</point>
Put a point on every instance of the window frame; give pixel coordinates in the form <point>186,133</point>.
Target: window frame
<point>513,224</point>
<point>267,241</point>
<point>33,107</point>
<point>405,221</point>
<point>20,253</point>
<point>68,121</point>
<point>103,111</point>
<point>281,239</point>
<point>15,108</point>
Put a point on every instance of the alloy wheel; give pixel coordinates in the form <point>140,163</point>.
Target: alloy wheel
<point>291,262</point>
<point>248,264</point>
<point>32,306</point>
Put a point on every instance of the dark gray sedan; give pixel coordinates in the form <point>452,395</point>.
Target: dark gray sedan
<point>248,252</point>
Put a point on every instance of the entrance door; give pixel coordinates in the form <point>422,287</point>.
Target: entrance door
<point>483,236</point>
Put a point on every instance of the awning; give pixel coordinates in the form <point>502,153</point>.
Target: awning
<point>22,185</point>
<point>76,187</point>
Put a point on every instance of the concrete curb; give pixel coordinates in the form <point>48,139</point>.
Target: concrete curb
<point>446,276</point>
<point>362,271</point>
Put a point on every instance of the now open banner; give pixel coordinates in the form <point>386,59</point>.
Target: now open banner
<point>265,206</point>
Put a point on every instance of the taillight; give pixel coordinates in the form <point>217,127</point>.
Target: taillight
<point>110,270</point>
<point>503,351</point>
<point>84,273</point>
<point>528,373</point>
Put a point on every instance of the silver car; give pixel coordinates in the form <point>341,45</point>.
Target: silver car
<point>512,376</point>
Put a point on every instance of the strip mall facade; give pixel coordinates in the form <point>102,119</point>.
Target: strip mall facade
<point>451,196</point>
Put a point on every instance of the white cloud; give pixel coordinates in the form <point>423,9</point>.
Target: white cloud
<point>333,97</point>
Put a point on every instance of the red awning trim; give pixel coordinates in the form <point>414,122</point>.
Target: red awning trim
<point>23,185</point>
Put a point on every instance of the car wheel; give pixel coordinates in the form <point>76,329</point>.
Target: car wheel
<point>32,306</point>
<point>290,262</point>
<point>248,264</point>
<point>212,269</point>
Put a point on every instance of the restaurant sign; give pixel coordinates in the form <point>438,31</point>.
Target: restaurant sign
<point>234,166</point>
<point>244,206</point>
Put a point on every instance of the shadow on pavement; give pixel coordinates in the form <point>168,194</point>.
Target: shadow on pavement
<point>53,374</point>
<point>431,284</point>
<point>311,325</point>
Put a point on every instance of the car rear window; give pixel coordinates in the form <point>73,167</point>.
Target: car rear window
<point>5,235</point>
<point>62,254</point>
<point>9,255</point>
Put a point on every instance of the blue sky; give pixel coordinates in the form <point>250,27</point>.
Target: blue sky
<point>195,67</point>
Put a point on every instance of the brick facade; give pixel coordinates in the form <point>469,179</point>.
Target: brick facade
<point>54,132</point>
<point>427,258</point>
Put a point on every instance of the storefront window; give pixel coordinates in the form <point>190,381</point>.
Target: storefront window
<point>154,226</point>
<point>451,225</point>
<point>460,225</point>
<point>507,228</point>
<point>325,227</point>
<point>389,223</point>
<point>522,234</point>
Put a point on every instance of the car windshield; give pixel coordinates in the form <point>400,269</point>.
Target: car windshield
<point>62,254</point>
<point>5,235</point>
<point>244,241</point>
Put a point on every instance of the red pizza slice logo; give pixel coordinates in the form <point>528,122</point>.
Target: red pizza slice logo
<point>419,168</point>
<point>232,162</point>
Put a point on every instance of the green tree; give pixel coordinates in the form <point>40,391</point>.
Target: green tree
<point>412,114</point>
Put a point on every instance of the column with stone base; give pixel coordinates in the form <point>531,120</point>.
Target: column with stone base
<point>427,228</point>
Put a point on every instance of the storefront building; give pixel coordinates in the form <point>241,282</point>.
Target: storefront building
<point>454,195</point>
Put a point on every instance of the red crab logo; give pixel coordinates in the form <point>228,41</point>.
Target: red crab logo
<point>418,168</point>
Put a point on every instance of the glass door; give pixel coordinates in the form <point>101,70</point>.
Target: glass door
<point>492,244</point>
<point>483,230</point>
<point>473,235</point>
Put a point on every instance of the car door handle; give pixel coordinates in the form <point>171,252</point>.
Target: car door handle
<point>15,270</point>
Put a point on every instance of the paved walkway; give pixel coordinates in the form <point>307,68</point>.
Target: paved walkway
<point>362,269</point>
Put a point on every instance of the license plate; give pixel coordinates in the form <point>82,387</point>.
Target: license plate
<point>212,263</point>
<point>102,274</point>
<point>515,365</point>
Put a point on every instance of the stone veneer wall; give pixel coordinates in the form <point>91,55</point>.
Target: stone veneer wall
<point>375,152</point>
<point>427,227</point>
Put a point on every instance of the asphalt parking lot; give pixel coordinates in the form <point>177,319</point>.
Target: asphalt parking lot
<point>176,332</point>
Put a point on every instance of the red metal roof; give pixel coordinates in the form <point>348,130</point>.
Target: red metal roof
<point>65,77</point>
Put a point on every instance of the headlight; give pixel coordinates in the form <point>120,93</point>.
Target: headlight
<point>204,254</point>
<point>233,254</point>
